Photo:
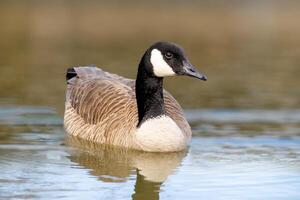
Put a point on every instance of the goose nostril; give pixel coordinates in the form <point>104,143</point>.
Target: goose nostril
<point>192,70</point>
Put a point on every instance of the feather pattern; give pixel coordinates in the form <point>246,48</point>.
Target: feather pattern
<point>101,107</point>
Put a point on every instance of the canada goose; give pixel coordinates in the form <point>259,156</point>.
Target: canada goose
<point>110,109</point>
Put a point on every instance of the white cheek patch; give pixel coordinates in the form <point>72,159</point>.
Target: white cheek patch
<point>160,67</point>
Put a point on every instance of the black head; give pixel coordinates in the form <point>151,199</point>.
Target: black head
<point>168,59</point>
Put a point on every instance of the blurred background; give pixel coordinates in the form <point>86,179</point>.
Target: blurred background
<point>250,50</point>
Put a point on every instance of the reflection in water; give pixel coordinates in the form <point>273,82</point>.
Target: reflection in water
<point>145,189</point>
<point>111,164</point>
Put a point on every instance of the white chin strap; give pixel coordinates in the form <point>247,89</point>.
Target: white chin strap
<point>160,67</point>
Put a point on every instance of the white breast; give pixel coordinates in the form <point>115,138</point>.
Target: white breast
<point>160,134</point>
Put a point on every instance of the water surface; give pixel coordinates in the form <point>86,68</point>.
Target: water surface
<point>236,156</point>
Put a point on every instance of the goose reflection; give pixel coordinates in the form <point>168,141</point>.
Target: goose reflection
<point>111,164</point>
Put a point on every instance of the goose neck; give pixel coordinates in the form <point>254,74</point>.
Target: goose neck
<point>149,95</point>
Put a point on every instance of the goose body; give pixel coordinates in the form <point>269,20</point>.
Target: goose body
<point>109,109</point>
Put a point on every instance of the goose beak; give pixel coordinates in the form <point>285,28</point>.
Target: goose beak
<point>190,70</point>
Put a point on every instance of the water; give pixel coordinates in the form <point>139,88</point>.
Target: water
<point>237,156</point>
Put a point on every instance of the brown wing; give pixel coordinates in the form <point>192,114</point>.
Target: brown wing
<point>96,100</point>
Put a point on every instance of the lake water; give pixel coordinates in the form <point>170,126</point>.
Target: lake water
<point>234,154</point>
<point>245,118</point>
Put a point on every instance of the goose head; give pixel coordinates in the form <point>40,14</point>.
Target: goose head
<point>169,59</point>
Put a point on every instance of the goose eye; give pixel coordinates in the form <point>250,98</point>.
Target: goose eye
<point>169,55</point>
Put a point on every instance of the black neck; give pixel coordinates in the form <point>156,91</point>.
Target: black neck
<point>149,92</point>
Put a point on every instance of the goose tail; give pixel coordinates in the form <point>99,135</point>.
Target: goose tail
<point>83,73</point>
<point>71,73</point>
